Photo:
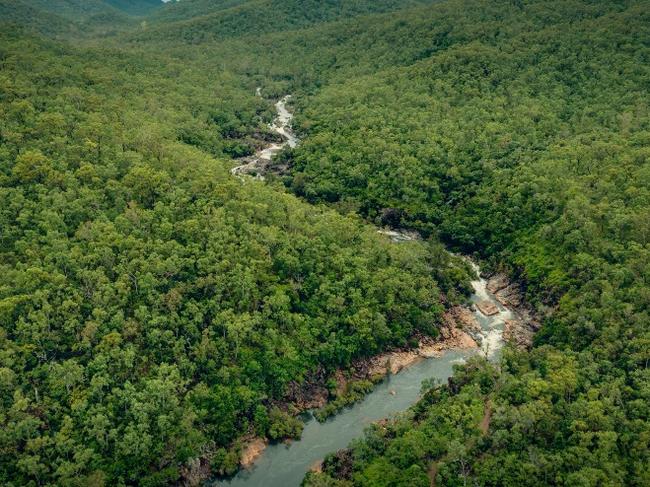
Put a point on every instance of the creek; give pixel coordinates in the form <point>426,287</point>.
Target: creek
<point>285,464</point>
<point>256,165</point>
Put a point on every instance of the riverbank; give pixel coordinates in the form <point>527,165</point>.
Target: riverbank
<point>258,165</point>
<point>464,331</point>
<point>483,324</point>
<point>315,395</point>
<point>496,298</point>
<point>511,294</point>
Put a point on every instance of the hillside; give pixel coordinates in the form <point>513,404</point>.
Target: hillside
<point>157,312</point>
<point>17,15</point>
<point>153,308</point>
<point>75,19</point>
<point>81,9</point>
<point>207,21</point>
<point>136,7</point>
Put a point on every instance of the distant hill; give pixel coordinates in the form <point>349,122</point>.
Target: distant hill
<point>31,18</point>
<point>187,9</point>
<point>72,9</point>
<point>74,18</point>
<point>232,18</point>
<point>135,7</point>
<point>84,9</point>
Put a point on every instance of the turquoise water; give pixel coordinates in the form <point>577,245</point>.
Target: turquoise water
<point>285,465</point>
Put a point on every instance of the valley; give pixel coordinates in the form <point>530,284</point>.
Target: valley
<point>222,222</point>
<point>286,464</point>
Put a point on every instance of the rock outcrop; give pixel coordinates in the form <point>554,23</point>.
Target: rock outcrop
<point>521,328</point>
<point>487,308</point>
<point>451,337</point>
<point>252,450</point>
<point>517,332</point>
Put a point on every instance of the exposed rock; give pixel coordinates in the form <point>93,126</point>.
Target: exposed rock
<point>382,423</point>
<point>310,394</point>
<point>451,337</point>
<point>497,282</point>
<point>317,466</point>
<point>252,450</point>
<point>518,332</point>
<point>506,292</point>
<point>430,351</point>
<point>510,296</point>
<point>392,362</point>
<point>401,235</point>
<point>465,342</point>
<point>341,382</point>
<point>281,136</point>
<point>487,308</point>
<point>461,317</point>
<point>194,472</point>
<point>392,392</point>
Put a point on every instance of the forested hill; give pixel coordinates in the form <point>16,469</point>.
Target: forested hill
<point>79,9</point>
<point>155,311</point>
<point>74,19</point>
<point>199,21</point>
<point>18,15</point>
<point>136,7</point>
<point>522,136</point>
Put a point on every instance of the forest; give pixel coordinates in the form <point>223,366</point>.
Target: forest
<point>155,310</point>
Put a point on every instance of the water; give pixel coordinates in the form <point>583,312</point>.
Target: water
<point>281,125</point>
<point>285,465</point>
<point>399,236</point>
<point>491,326</point>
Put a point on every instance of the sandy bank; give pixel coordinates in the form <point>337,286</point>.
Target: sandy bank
<point>252,450</point>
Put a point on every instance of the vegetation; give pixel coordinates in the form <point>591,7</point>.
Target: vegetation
<point>154,309</point>
<point>75,19</point>
<point>354,391</point>
<point>233,18</point>
<point>529,147</point>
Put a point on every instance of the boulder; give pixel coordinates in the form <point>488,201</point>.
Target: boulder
<point>466,320</point>
<point>252,450</point>
<point>518,332</point>
<point>487,308</point>
<point>510,296</point>
<point>497,282</point>
<point>317,466</point>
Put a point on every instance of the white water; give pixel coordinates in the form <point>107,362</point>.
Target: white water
<point>491,326</point>
<point>282,126</point>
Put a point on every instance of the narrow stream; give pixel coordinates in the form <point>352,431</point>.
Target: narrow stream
<point>285,465</point>
<point>281,125</point>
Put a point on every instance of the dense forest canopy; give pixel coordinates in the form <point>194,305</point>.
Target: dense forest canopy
<point>75,19</point>
<point>155,310</point>
<point>199,20</point>
<point>153,307</point>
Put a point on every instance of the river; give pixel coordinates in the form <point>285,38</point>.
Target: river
<point>255,165</point>
<point>285,465</point>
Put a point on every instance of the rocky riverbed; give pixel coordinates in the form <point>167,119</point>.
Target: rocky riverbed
<point>522,327</point>
<point>497,313</point>
<point>259,164</point>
